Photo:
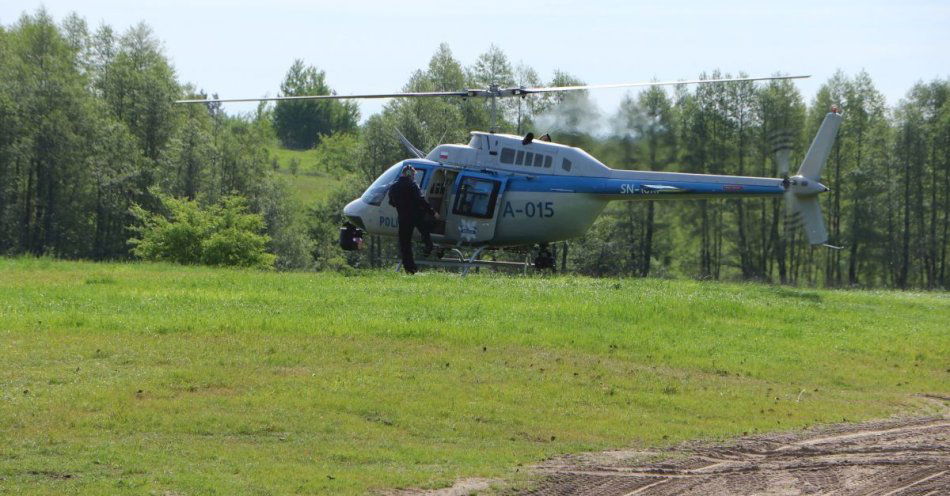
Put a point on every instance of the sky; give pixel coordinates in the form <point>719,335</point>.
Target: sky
<point>241,48</point>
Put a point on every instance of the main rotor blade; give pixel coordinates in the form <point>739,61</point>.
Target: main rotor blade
<point>552,89</point>
<point>486,93</point>
<point>336,97</point>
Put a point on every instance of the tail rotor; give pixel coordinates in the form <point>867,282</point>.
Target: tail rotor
<point>781,140</point>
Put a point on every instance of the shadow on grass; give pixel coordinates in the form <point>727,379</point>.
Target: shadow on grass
<point>795,294</point>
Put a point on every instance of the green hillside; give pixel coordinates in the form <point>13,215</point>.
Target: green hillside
<point>161,379</point>
<point>312,183</point>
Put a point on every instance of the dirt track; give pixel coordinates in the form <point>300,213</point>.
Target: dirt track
<point>908,456</point>
<point>882,458</point>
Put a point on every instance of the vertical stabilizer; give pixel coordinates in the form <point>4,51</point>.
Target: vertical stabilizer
<point>807,213</point>
<point>802,189</point>
<point>820,147</point>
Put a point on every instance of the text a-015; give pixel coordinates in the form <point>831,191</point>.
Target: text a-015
<point>538,209</point>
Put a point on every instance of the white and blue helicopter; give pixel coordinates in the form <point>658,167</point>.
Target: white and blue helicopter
<point>507,191</point>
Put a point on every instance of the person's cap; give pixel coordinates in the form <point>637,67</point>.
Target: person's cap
<point>407,169</point>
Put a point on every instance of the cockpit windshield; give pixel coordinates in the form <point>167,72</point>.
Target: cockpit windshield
<point>377,191</point>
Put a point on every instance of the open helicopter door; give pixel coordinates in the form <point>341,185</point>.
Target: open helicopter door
<point>475,206</point>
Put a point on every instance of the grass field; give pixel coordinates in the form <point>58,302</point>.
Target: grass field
<point>160,379</point>
<point>312,183</point>
<point>306,158</point>
<point>309,189</point>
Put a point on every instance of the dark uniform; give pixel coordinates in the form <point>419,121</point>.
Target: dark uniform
<point>412,208</point>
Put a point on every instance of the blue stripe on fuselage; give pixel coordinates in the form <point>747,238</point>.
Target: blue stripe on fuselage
<point>615,187</point>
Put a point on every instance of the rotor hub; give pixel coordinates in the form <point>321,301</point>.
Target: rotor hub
<point>804,186</point>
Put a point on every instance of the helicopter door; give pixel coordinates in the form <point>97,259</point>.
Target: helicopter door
<point>475,206</point>
<point>440,189</point>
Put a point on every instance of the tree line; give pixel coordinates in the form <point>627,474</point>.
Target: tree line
<point>91,143</point>
<point>89,131</point>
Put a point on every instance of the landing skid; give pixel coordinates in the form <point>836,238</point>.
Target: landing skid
<point>455,259</point>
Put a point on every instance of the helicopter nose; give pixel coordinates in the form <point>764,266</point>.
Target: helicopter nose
<point>352,208</point>
<point>353,212</point>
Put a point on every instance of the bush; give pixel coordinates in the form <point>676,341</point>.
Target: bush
<point>338,153</point>
<point>324,219</point>
<point>224,234</point>
<point>285,223</point>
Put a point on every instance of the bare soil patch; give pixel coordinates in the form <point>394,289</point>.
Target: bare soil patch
<point>902,456</point>
<point>462,487</point>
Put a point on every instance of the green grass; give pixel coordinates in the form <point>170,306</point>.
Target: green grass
<point>160,379</point>
<point>308,189</point>
<point>312,183</point>
<point>306,158</point>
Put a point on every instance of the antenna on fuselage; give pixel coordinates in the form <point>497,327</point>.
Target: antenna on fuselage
<point>408,144</point>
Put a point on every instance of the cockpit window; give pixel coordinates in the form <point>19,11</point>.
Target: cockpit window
<point>376,192</point>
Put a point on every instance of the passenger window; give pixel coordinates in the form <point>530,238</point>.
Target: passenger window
<point>538,160</point>
<point>507,155</point>
<point>476,197</point>
<point>547,161</point>
<point>519,158</point>
<point>566,165</point>
<point>528,157</point>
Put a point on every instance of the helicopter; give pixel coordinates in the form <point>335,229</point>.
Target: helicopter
<point>502,191</point>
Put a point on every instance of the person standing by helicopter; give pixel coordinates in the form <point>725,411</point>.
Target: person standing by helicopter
<point>412,209</point>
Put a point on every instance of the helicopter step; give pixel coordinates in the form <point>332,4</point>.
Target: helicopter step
<point>544,259</point>
<point>458,260</point>
<point>468,265</point>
